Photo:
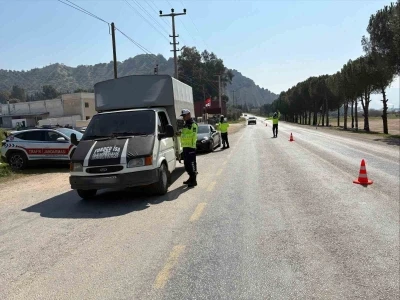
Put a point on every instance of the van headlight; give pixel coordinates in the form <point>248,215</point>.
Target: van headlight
<point>140,162</point>
<point>76,167</point>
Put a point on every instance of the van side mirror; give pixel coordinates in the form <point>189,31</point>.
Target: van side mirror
<point>169,131</point>
<point>74,140</point>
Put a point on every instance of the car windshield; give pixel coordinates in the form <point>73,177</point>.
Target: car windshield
<point>125,123</point>
<point>68,132</point>
<point>203,129</point>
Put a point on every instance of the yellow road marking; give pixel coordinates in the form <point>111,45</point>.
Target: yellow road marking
<point>165,273</point>
<point>219,172</point>
<point>211,186</point>
<point>197,212</point>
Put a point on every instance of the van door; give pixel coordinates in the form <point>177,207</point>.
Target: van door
<point>166,145</point>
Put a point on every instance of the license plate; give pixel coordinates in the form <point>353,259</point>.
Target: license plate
<point>108,179</point>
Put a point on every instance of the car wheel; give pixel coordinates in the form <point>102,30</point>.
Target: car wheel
<point>86,194</point>
<point>161,186</point>
<point>211,146</point>
<point>17,160</point>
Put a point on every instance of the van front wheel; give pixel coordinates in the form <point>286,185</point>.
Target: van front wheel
<point>161,186</point>
<point>86,194</point>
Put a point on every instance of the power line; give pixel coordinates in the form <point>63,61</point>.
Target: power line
<point>147,21</point>
<point>154,8</point>
<point>198,31</point>
<point>168,3</point>
<point>134,42</point>
<point>182,39</point>
<point>154,19</point>
<point>77,7</point>
<point>184,27</point>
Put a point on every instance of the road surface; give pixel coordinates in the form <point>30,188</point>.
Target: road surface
<point>270,219</point>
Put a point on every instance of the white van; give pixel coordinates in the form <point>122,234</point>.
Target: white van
<point>131,141</point>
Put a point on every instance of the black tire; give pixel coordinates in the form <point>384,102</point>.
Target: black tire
<point>86,194</point>
<point>161,186</point>
<point>17,160</point>
<point>211,146</point>
<point>220,142</point>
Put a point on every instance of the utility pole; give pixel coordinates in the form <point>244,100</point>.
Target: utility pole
<point>174,43</point>
<point>114,50</point>
<point>233,100</point>
<point>219,91</point>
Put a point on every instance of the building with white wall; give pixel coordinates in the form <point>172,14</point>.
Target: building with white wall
<point>77,106</point>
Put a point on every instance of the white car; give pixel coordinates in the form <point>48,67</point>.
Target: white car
<point>24,147</point>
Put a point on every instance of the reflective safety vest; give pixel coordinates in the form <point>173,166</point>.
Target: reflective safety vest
<point>223,127</point>
<point>189,136</point>
<point>275,120</point>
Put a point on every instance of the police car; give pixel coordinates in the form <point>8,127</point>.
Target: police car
<point>24,147</point>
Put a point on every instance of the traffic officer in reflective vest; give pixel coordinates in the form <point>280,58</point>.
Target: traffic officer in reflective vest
<point>223,127</point>
<point>188,141</point>
<point>275,121</point>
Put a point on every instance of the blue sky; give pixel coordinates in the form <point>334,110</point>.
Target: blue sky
<point>275,43</point>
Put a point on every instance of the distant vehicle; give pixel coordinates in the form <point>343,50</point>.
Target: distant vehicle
<point>208,138</point>
<point>252,120</point>
<point>25,147</point>
<point>245,115</point>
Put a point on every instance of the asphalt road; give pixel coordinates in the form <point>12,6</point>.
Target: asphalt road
<point>270,219</point>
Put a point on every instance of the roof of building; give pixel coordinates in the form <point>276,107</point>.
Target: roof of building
<point>25,115</point>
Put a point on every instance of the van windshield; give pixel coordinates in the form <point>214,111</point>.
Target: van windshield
<point>126,123</point>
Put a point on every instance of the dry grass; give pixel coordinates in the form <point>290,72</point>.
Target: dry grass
<point>233,128</point>
<point>375,124</point>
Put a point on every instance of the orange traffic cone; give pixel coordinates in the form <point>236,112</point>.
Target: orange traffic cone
<point>362,177</point>
<point>291,138</point>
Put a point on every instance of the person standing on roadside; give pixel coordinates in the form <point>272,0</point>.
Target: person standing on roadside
<point>188,142</point>
<point>275,121</point>
<point>223,127</point>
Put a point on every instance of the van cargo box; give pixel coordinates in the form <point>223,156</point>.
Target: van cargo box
<point>144,91</point>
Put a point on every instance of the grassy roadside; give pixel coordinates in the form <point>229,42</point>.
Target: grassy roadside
<point>7,174</point>
<point>240,120</point>
<point>390,139</point>
<point>2,136</point>
<point>235,126</point>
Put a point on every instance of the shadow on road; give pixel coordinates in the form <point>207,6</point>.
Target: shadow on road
<point>201,153</point>
<point>108,204</point>
<point>394,140</point>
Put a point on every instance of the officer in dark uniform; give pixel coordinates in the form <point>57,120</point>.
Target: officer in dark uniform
<point>188,142</point>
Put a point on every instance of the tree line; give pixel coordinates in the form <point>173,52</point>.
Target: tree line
<point>18,94</point>
<point>200,70</point>
<point>353,85</point>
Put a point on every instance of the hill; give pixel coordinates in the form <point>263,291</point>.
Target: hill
<point>246,91</point>
<point>67,79</point>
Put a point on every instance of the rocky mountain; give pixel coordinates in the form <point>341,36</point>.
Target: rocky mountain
<point>243,90</point>
<point>68,79</point>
